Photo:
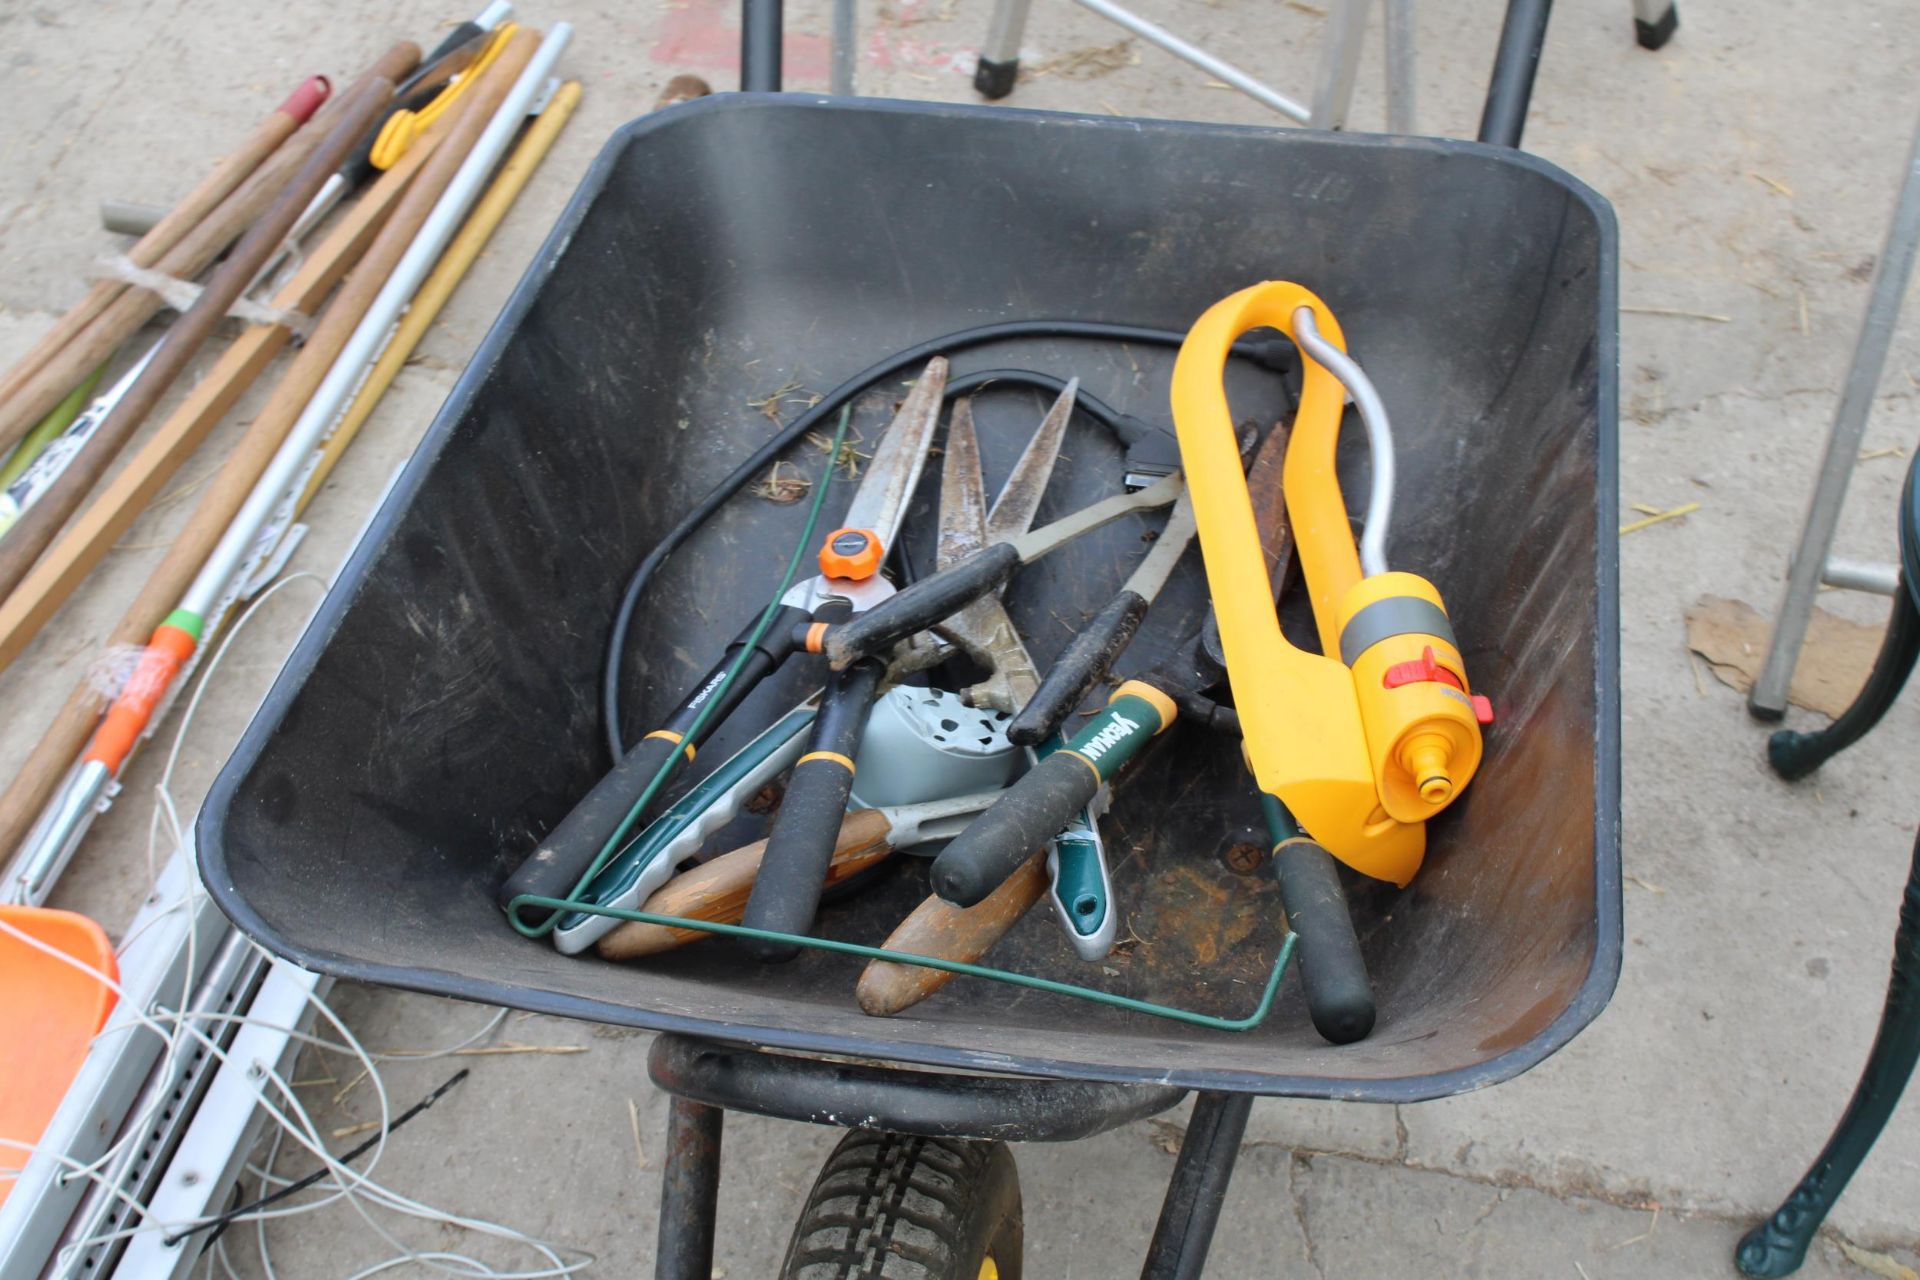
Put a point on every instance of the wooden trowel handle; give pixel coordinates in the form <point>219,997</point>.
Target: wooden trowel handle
<point>938,928</point>
<point>717,890</point>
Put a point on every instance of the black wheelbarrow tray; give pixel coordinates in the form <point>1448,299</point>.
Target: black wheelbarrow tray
<point>441,711</point>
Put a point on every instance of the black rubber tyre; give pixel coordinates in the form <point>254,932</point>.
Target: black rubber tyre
<point>891,1207</point>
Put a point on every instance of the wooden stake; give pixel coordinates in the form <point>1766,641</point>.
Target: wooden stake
<point>44,769</point>
<point>67,563</point>
<point>166,233</point>
<point>360,108</point>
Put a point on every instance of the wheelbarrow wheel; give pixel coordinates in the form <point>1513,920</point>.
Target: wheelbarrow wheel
<point>887,1206</point>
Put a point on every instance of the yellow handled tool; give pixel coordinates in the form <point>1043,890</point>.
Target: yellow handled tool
<point>1368,740</point>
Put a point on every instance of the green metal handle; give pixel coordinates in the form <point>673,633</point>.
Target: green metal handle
<point>1040,805</point>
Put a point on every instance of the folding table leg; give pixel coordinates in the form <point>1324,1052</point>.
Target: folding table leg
<point>1795,755</point>
<point>999,64</point>
<point>1777,1246</point>
<point>1339,64</point>
<point>1768,699</point>
<point>1654,22</point>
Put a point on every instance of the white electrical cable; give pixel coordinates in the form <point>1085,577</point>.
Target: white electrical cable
<point>1373,412</point>
<point>346,1182</point>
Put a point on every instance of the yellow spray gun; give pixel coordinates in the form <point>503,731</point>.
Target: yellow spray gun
<point>1367,742</point>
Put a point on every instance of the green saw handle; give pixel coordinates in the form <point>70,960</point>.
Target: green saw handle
<point>1047,797</point>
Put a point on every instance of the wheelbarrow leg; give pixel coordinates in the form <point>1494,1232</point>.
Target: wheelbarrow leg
<point>1777,1246</point>
<point>689,1192</point>
<point>999,64</point>
<point>1795,755</point>
<point>1198,1187</point>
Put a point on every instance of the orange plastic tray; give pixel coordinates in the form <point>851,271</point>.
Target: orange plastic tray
<point>49,1014</point>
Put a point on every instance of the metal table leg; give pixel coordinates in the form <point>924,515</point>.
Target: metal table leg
<point>1795,755</point>
<point>689,1192</point>
<point>999,65</point>
<point>1198,1187</point>
<point>1398,28</point>
<point>1777,1246</point>
<point>1654,22</point>
<point>845,34</point>
<point>1339,64</point>
<point>1510,87</point>
<point>760,40</point>
<point>1768,700</point>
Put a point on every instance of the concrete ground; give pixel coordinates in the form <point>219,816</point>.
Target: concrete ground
<point>1752,164</point>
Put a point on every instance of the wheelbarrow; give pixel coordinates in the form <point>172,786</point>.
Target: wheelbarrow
<point>440,714</point>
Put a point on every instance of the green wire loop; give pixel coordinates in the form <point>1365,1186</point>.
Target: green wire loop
<point>556,907</point>
<point>1007,976</point>
<point>672,762</point>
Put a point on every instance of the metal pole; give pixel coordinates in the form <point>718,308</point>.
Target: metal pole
<point>1339,64</point>
<point>1768,700</point>
<point>1510,88</point>
<point>760,46</point>
<point>1173,44</point>
<point>840,80</point>
<point>1861,575</point>
<point>1198,1187</point>
<point>689,1192</point>
<point>1397,22</point>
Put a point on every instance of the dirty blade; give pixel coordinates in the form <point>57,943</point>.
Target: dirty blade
<point>1151,573</point>
<point>963,498</point>
<point>981,628</point>
<point>1020,496</point>
<point>1037,542</point>
<point>1270,519</point>
<point>880,503</point>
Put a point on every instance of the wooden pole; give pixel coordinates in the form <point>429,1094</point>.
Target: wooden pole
<point>67,563</point>
<point>45,768</point>
<point>134,307</point>
<point>363,104</point>
<point>166,233</point>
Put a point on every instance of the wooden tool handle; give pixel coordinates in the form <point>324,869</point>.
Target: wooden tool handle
<point>938,928</point>
<point>171,229</point>
<point>718,890</point>
<point>37,527</point>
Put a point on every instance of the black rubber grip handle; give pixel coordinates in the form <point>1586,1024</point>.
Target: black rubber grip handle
<point>793,870</point>
<point>557,864</point>
<point>1332,970</point>
<point>1080,666</point>
<point>1031,812</point>
<point>921,605</point>
<point>554,867</point>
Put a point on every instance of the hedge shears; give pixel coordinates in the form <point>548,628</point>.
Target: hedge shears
<point>849,582</point>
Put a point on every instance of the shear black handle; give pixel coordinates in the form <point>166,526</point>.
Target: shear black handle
<point>1079,667</point>
<point>1332,970</point>
<point>793,870</point>
<point>553,868</point>
<point>921,605</point>
<point>1031,812</point>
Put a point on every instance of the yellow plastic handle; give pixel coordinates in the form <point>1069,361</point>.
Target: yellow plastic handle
<point>403,127</point>
<point>1305,741</point>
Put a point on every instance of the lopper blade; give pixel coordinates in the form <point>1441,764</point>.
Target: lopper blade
<point>880,503</point>
<point>1020,496</point>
